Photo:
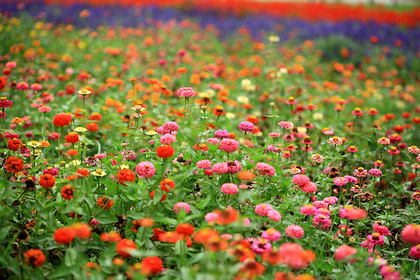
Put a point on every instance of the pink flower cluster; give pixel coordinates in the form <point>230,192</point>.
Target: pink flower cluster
<point>304,183</point>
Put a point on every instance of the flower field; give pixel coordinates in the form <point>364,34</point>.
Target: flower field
<point>183,141</point>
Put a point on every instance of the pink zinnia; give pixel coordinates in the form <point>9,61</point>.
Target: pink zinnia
<point>351,179</point>
<point>375,172</point>
<point>229,145</point>
<point>186,92</point>
<point>345,253</point>
<point>285,125</point>
<point>170,126</point>
<point>219,168</point>
<point>44,109</point>
<point>211,217</point>
<point>301,180</point>
<point>213,141</point>
<point>260,246</point>
<point>415,252</point>
<point>375,239</point>
<point>271,234</point>
<point>360,172</point>
<point>309,188</point>
<point>308,210</point>
<point>145,169</point>
<point>262,209</point>
<point>229,188</point>
<point>330,200</point>
<point>274,215</point>
<point>295,231</point>
<point>320,204</point>
<point>167,139</point>
<point>321,221</point>
<point>246,126</point>
<point>161,130</point>
<point>204,164</point>
<point>233,167</point>
<point>182,205</point>
<point>340,181</point>
<point>382,230</point>
<point>221,134</point>
<point>265,169</point>
<point>411,234</point>
<point>274,134</point>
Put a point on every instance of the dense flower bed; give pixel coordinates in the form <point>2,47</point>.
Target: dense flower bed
<point>163,151</point>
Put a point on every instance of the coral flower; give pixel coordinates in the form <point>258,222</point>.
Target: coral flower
<point>228,145</point>
<point>345,253</point>
<point>294,231</point>
<point>226,216</point>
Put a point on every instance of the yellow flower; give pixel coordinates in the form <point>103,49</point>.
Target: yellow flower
<point>273,39</point>
<point>33,144</point>
<point>84,91</point>
<point>151,132</point>
<point>80,129</point>
<point>98,173</point>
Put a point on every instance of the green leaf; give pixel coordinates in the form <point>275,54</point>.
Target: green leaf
<point>106,218</point>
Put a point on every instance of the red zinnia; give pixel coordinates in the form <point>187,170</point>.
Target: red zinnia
<point>34,258</point>
<point>125,175</point>
<point>64,235</point>
<point>46,181</point>
<point>14,165</point>
<point>105,202</point>
<point>62,120</point>
<point>92,126</point>
<point>124,245</point>
<point>185,229</point>
<point>165,151</point>
<point>14,144</point>
<point>72,137</point>
<point>67,192</point>
<point>151,266</point>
